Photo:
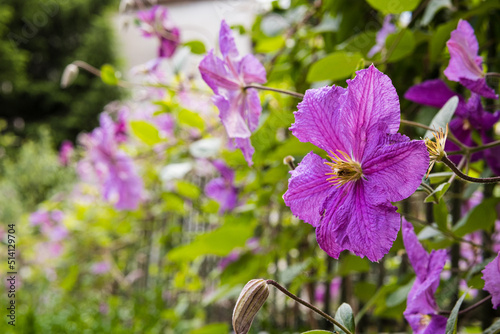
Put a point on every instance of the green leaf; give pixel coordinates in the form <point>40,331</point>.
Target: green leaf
<point>493,329</point>
<point>345,317</point>
<point>400,295</point>
<point>439,38</point>
<point>352,263</point>
<point>451,324</point>
<point>482,217</point>
<point>146,132</point>
<point>188,189</point>
<point>219,242</point>
<point>443,116</point>
<point>438,193</point>
<point>191,118</point>
<point>406,45</point>
<point>317,331</point>
<point>394,6</point>
<point>440,211</point>
<point>432,8</point>
<point>270,44</point>
<point>108,75</point>
<point>173,203</point>
<point>289,274</point>
<point>216,328</point>
<point>197,47</point>
<point>335,66</point>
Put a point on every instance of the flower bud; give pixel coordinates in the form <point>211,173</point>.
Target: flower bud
<point>251,299</point>
<point>69,75</point>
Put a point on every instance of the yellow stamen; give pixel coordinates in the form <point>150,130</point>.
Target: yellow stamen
<point>436,148</point>
<point>344,169</point>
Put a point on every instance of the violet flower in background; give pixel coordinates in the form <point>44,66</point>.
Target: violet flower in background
<point>66,152</point>
<point>51,224</point>
<point>469,116</point>
<point>100,268</point>
<point>491,277</point>
<point>421,308</point>
<point>387,29</point>
<point>348,200</point>
<point>465,64</point>
<point>115,170</point>
<point>222,189</point>
<point>155,23</point>
<point>239,108</point>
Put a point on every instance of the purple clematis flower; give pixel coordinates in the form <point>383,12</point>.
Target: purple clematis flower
<point>491,277</point>
<point>155,23</point>
<point>114,168</point>
<point>239,108</point>
<point>469,116</point>
<point>387,29</point>
<point>421,308</point>
<point>465,65</point>
<point>348,200</point>
<point>222,189</point>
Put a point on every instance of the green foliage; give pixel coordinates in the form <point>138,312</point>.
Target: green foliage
<point>345,317</point>
<point>335,66</point>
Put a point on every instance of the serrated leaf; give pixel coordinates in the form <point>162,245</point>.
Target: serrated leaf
<point>337,65</point>
<point>146,132</point>
<point>345,317</point>
<point>493,329</point>
<point>481,217</point>
<point>197,47</point>
<point>451,324</point>
<point>394,6</point>
<point>108,75</point>
<point>404,48</point>
<point>443,116</point>
<point>438,193</point>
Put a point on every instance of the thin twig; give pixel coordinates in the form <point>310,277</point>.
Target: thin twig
<point>282,91</point>
<point>470,308</point>
<point>466,177</point>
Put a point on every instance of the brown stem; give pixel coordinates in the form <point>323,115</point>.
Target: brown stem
<point>310,306</point>
<point>476,149</point>
<point>282,91</point>
<point>470,308</point>
<point>457,171</point>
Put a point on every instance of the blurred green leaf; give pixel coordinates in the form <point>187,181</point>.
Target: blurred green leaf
<point>188,189</point>
<point>270,44</point>
<point>404,48</point>
<point>345,317</point>
<point>432,8</point>
<point>191,118</point>
<point>337,65</point>
<point>400,295</point>
<point>216,328</point>
<point>443,116</point>
<point>317,331</point>
<point>197,47</point>
<point>481,217</point>
<point>108,75</point>
<point>351,263</point>
<point>493,329</point>
<point>440,212</point>
<point>146,132</point>
<point>439,38</point>
<point>451,324</point>
<point>173,203</point>
<point>394,6</point>
<point>438,193</point>
<point>290,273</point>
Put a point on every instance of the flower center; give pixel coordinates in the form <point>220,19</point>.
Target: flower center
<point>344,169</point>
<point>425,320</point>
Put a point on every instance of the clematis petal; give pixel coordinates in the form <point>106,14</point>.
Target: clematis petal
<point>480,87</point>
<point>231,115</point>
<point>226,41</point>
<point>225,194</point>
<point>252,70</point>
<point>252,108</point>
<point>307,189</point>
<point>317,119</point>
<point>245,145</point>
<point>371,109</point>
<point>226,172</point>
<point>123,185</point>
<point>463,48</point>
<point>491,277</point>
<point>359,220</point>
<point>169,45</point>
<point>434,93</point>
<point>214,73</point>
<point>417,255</point>
<point>396,169</point>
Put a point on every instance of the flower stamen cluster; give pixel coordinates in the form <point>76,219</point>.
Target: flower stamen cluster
<point>344,169</point>
<point>436,147</point>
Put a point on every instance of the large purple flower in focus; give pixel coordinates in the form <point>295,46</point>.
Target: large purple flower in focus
<point>114,168</point>
<point>465,64</point>
<point>348,200</point>
<point>421,308</point>
<point>469,116</point>
<point>491,277</point>
<point>222,189</point>
<point>239,108</point>
<point>155,23</point>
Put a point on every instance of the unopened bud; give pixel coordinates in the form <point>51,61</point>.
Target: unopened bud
<point>289,160</point>
<point>251,299</point>
<point>69,75</point>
